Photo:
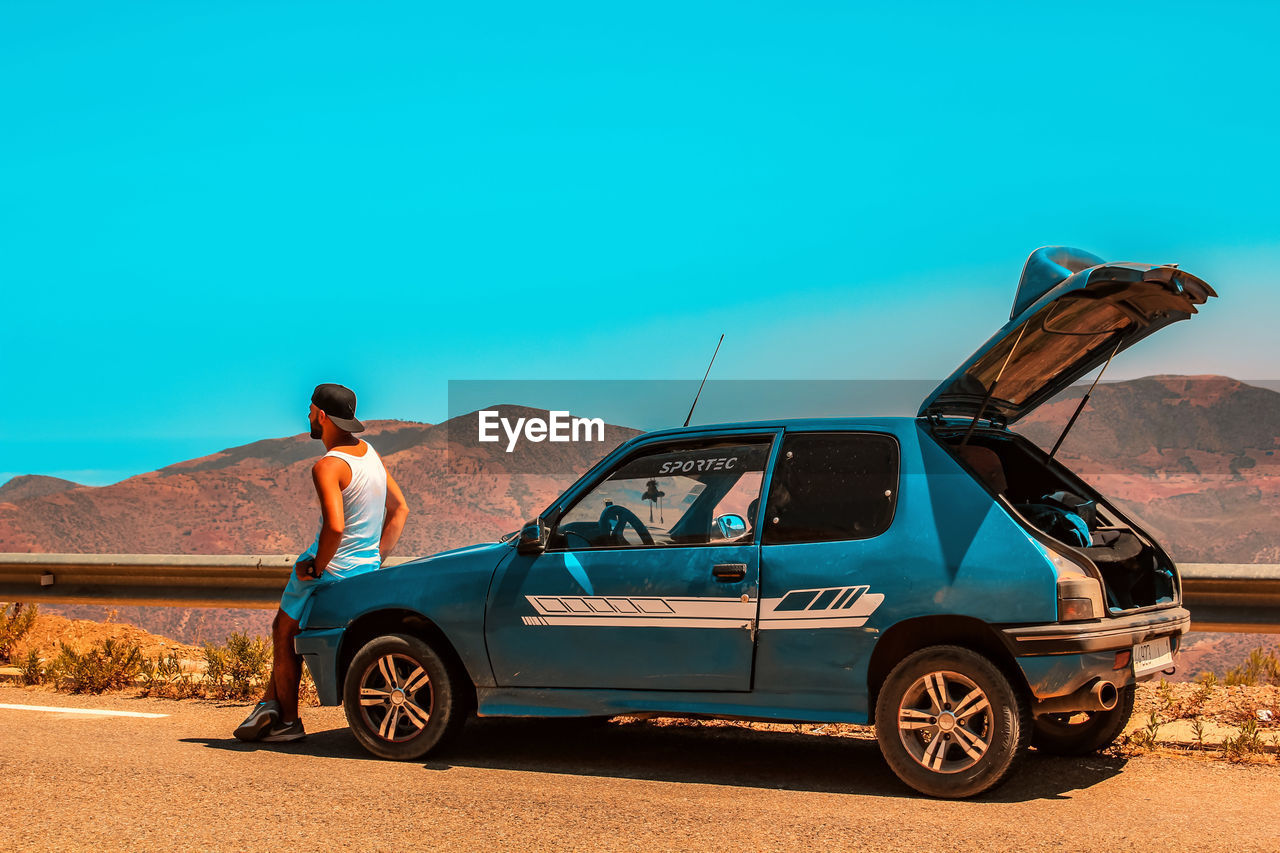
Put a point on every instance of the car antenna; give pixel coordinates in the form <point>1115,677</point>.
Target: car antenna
<point>1083,400</point>
<point>704,380</point>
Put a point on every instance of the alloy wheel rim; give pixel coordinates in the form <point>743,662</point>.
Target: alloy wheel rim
<point>945,722</point>
<point>396,698</point>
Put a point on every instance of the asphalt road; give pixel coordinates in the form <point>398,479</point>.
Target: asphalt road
<point>73,781</point>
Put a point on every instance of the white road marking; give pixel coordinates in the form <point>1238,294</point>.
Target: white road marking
<point>95,711</point>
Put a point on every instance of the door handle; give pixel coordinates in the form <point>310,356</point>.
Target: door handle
<point>729,572</point>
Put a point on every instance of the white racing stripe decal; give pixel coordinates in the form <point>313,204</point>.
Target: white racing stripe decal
<point>97,712</point>
<point>827,607</point>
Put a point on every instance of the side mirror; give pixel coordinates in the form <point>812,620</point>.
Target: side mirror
<point>532,538</point>
<point>730,526</point>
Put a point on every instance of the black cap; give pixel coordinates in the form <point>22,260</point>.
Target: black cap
<point>339,403</point>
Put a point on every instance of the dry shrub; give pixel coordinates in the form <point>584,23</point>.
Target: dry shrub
<point>307,693</point>
<point>15,621</point>
<point>235,670</point>
<point>31,668</point>
<point>1245,744</point>
<point>1261,667</point>
<point>238,669</point>
<point>1197,727</point>
<point>109,666</point>
<point>1148,736</point>
<point>166,677</point>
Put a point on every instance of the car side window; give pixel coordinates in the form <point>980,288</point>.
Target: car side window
<point>673,494</point>
<point>832,486</point>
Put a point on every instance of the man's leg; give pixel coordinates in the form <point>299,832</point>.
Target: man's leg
<point>264,715</point>
<point>286,667</point>
<point>269,695</point>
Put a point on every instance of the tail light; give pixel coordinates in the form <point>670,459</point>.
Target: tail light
<point>1079,592</point>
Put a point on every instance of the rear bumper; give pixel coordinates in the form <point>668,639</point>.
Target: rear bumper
<point>1104,635</point>
<point>1060,658</point>
<point>320,650</point>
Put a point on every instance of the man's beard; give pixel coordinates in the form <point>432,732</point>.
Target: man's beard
<point>316,431</point>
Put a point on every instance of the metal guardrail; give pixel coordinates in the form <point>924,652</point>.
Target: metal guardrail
<point>159,580</point>
<point>1220,596</point>
<point>1242,597</point>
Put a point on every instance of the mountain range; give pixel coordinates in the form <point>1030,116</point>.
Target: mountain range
<point>1193,458</point>
<point>258,498</point>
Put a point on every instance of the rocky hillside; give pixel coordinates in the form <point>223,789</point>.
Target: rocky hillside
<point>259,499</point>
<point>33,486</point>
<point>1193,457</point>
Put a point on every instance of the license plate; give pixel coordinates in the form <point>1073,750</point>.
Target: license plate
<point>1154,655</point>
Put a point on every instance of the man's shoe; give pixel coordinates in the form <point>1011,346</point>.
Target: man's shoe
<point>263,716</point>
<point>285,732</point>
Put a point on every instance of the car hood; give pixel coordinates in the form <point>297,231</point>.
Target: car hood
<point>1072,312</point>
<point>433,581</point>
<point>460,552</point>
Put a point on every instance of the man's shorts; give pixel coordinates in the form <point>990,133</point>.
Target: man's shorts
<point>296,600</point>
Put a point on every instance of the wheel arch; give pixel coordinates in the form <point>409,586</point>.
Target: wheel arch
<point>911,635</point>
<point>399,620</point>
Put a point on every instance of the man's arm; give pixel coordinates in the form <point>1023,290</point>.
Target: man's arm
<point>393,524</point>
<point>326,474</point>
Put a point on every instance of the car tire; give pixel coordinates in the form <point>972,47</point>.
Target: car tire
<point>949,723</point>
<point>1055,734</point>
<point>401,698</point>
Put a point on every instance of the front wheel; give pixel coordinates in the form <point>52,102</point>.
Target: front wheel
<point>400,699</point>
<point>949,723</point>
<point>1086,732</point>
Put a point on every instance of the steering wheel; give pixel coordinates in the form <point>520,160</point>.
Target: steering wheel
<point>623,518</point>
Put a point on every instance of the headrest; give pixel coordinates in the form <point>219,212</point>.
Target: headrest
<point>986,464</point>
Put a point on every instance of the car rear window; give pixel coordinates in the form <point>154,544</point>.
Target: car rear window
<point>832,486</point>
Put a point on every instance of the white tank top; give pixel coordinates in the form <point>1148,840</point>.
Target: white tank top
<point>364,505</point>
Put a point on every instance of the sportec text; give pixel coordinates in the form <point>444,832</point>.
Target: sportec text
<point>722,463</point>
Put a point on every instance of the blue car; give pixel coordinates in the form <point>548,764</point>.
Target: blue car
<point>940,577</point>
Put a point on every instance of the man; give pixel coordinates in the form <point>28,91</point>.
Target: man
<point>362,512</point>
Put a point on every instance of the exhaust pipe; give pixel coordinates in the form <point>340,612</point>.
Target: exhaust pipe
<point>1098,696</point>
<point>1105,694</point>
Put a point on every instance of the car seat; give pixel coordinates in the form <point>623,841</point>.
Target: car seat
<point>1058,515</point>
<point>986,463</point>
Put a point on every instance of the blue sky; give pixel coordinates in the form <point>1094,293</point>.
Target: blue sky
<point>209,208</point>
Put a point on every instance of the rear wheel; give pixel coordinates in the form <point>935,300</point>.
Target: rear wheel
<point>400,698</point>
<point>1086,732</point>
<point>949,723</point>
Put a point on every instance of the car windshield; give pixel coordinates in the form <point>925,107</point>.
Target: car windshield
<point>671,496</point>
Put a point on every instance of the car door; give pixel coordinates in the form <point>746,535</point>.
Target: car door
<point>650,578</point>
<point>827,560</point>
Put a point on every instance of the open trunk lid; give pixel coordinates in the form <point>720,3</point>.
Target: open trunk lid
<point>1071,313</point>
